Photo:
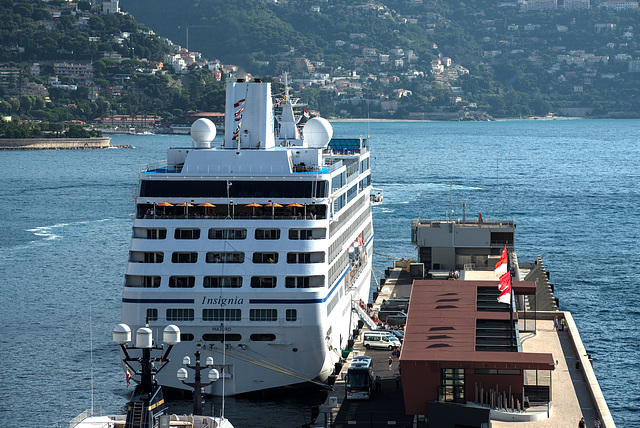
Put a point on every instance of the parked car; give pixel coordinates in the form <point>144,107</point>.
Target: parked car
<point>379,339</point>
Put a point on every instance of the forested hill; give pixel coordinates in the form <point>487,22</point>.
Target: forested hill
<point>505,58</point>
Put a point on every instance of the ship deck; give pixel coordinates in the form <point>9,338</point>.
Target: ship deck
<point>575,389</point>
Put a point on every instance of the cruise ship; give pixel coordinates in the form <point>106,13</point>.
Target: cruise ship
<point>257,247</point>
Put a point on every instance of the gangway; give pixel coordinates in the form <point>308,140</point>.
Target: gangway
<point>364,316</point>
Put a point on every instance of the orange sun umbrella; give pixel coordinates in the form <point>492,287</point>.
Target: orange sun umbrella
<point>273,205</point>
<point>206,204</point>
<point>295,205</point>
<point>184,204</point>
<point>164,204</point>
<point>253,205</point>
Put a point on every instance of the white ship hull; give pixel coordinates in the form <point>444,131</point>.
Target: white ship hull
<point>256,250</point>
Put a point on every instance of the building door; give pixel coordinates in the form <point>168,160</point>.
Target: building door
<point>451,386</point>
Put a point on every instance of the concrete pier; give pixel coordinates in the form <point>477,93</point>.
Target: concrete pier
<point>54,143</point>
<point>575,389</point>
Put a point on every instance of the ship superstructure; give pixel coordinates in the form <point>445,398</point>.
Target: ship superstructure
<point>255,248</point>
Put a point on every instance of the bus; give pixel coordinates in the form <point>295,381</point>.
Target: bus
<point>359,378</point>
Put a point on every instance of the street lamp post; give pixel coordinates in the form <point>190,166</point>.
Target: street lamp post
<point>197,384</point>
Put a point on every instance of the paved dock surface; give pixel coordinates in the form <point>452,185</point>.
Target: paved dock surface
<point>575,391</point>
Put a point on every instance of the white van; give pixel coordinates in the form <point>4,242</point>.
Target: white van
<point>380,339</point>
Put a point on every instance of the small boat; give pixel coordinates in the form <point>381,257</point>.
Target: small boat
<point>147,407</point>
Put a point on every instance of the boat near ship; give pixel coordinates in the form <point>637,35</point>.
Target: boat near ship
<point>147,407</point>
<point>257,248</point>
<point>181,128</point>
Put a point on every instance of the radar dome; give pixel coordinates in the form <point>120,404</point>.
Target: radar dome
<point>203,131</point>
<point>317,132</point>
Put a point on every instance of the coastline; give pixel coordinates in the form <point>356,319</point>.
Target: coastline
<point>54,143</point>
<point>505,119</point>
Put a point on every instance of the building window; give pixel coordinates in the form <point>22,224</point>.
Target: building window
<point>179,314</point>
<point>222,282</point>
<point>263,337</point>
<point>152,314</point>
<point>221,314</point>
<point>497,371</point>
<point>265,257</point>
<point>451,385</point>
<point>272,234</point>
<point>184,257</point>
<point>263,282</point>
<point>263,315</point>
<point>182,281</point>
<point>187,234</point>
<point>291,315</point>
<point>228,234</point>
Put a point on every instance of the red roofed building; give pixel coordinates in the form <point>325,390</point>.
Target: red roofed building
<point>462,346</point>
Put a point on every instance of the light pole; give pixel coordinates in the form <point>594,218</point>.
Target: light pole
<point>197,384</point>
<point>147,402</point>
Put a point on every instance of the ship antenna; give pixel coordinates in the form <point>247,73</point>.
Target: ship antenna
<point>497,188</point>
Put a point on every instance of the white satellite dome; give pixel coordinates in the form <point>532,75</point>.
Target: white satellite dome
<point>203,131</point>
<point>317,132</point>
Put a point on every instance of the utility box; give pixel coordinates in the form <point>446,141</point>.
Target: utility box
<point>416,270</point>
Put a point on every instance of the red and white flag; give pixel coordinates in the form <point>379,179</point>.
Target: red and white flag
<point>236,105</point>
<point>128,376</point>
<point>505,289</point>
<point>501,265</point>
<point>505,281</point>
<point>306,114</point>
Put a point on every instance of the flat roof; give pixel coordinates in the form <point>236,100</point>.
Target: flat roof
<point>443,322</point>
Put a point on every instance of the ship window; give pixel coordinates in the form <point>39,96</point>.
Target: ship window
<point>291,315</point>
<point>263,282</point>
<point>265,257</point>
<point>179,314</point>
<point>184,257</point>
<point>263,314</point>
<point>142,281</point>
<point>239,189</point>
<point>187,234</point>
<point>304,281</point>
<point>146,257</point>
<point>182,281</point>
<point>268,234</point>
<point>220,337</point>
<point>225,257</point>
<point>144,233</point>
<point>229,234</point>
<point>221,314</point>
<point>263,337</point>
<point>186,337</point>
<point>222,282</point>
<point>306,234</point>
<point>316,257</point>
<point>152,314</point>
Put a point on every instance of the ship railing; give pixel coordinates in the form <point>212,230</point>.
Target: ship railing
<point>462,223</point>
<point>163,168</point>
<point>232,217</point>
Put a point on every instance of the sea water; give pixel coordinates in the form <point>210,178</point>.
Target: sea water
<point>571,187</point>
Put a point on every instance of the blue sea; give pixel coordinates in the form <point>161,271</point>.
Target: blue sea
<point>571,187</point>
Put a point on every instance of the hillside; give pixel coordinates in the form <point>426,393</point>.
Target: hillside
<point>406,58</point>
<point>68,61</point>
